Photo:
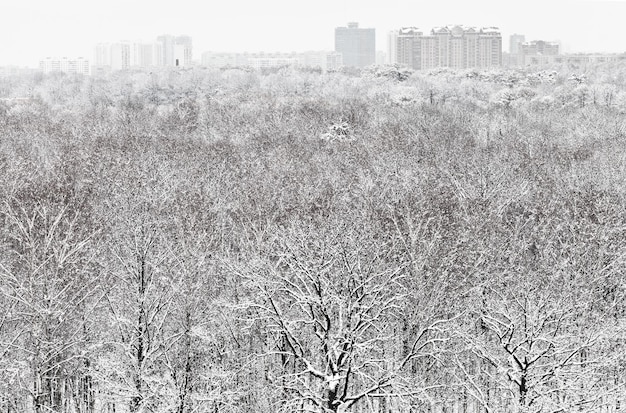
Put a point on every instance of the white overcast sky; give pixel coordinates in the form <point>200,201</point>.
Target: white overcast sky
<point>33,29</point>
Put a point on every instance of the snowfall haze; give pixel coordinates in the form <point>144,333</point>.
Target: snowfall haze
<point>35,29</point>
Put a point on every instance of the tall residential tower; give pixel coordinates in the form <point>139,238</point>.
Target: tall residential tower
<point>408,47</point>
<point>357,46</point>
<point>457,47</point>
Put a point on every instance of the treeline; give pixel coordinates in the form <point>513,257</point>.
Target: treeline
<point>292,241</point>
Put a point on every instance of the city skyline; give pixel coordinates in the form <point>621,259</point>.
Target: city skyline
<point>34,29</point>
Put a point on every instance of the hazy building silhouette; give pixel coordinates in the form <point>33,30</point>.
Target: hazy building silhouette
<point>322,59</point>
<point>167,50</point>
<point>167,43</point>
<point>515,40</point>
<point>183,51</point>
<point>102,56</point>
<point>64,65</point>
<point>538,52</point>
<point>577,60</point>
<point>316,59</point>
<point>120,56</point>
<point>125,55</point>
<point>145,55</point>
<point>392,46</point>
<point>12,70</point>
<point>357,46</point>
<point>381,57</point>
<point>539,47</point>
<point>177,50</point>
<point>513,58</point>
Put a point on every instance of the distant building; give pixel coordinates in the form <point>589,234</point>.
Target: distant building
<point>513,58</point>
<point>539,47</point>
<point>102,58</point>
<point>356,45</point>
<point>167,43</point>
<point>7,71</point>
<point>457,47</point>
<point>219,59</point>
<point>183,49</point>
<point>381,57</point>
<point>64,65</point>
<point>145,55</point>
<point>125,55</point>
<point>537,52</point>
<point>490,47</point>
<point>392,46</point>
<point>317,59</point>
<point>120,56</point>
<point>515,40</point>
<point>177,50</point>
<point>323,60</point>
<point>409,47</point>
<point>574,59</point>
<point>269,60</point>
<point>167,50</point>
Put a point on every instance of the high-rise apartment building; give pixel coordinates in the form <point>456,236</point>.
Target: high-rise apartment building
<point>457,47</point>
<point>490,47</point>
<point>357,46</point>
<point>408,47</point>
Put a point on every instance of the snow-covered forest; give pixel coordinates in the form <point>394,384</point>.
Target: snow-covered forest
<point>232,241</point>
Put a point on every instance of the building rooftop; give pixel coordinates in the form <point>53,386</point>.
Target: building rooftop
<point>409,30</point>
<point>459,30</point>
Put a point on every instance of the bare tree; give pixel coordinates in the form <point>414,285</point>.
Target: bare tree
<point>49,281</point>
<point>536,349</point>
<point>329,304</point>
<point>140,285</point>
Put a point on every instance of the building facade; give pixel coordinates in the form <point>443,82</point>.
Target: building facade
<point>316,59</point>
<point>166,51</point>
<point>515,48</point>
<point>574,59</point>
<point>177,50</point>
<point>392,46</point>
<point>166,43</point>
<point>356,45</point>
<point>458,47</point>
<point>323,60</point>
<point>539,47</point>
<point>64,65</point>
<point>408,47</point>
<point>537,52</point>
<point>515,40</point>
<point>120,56</point>
<point>183,48</point>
